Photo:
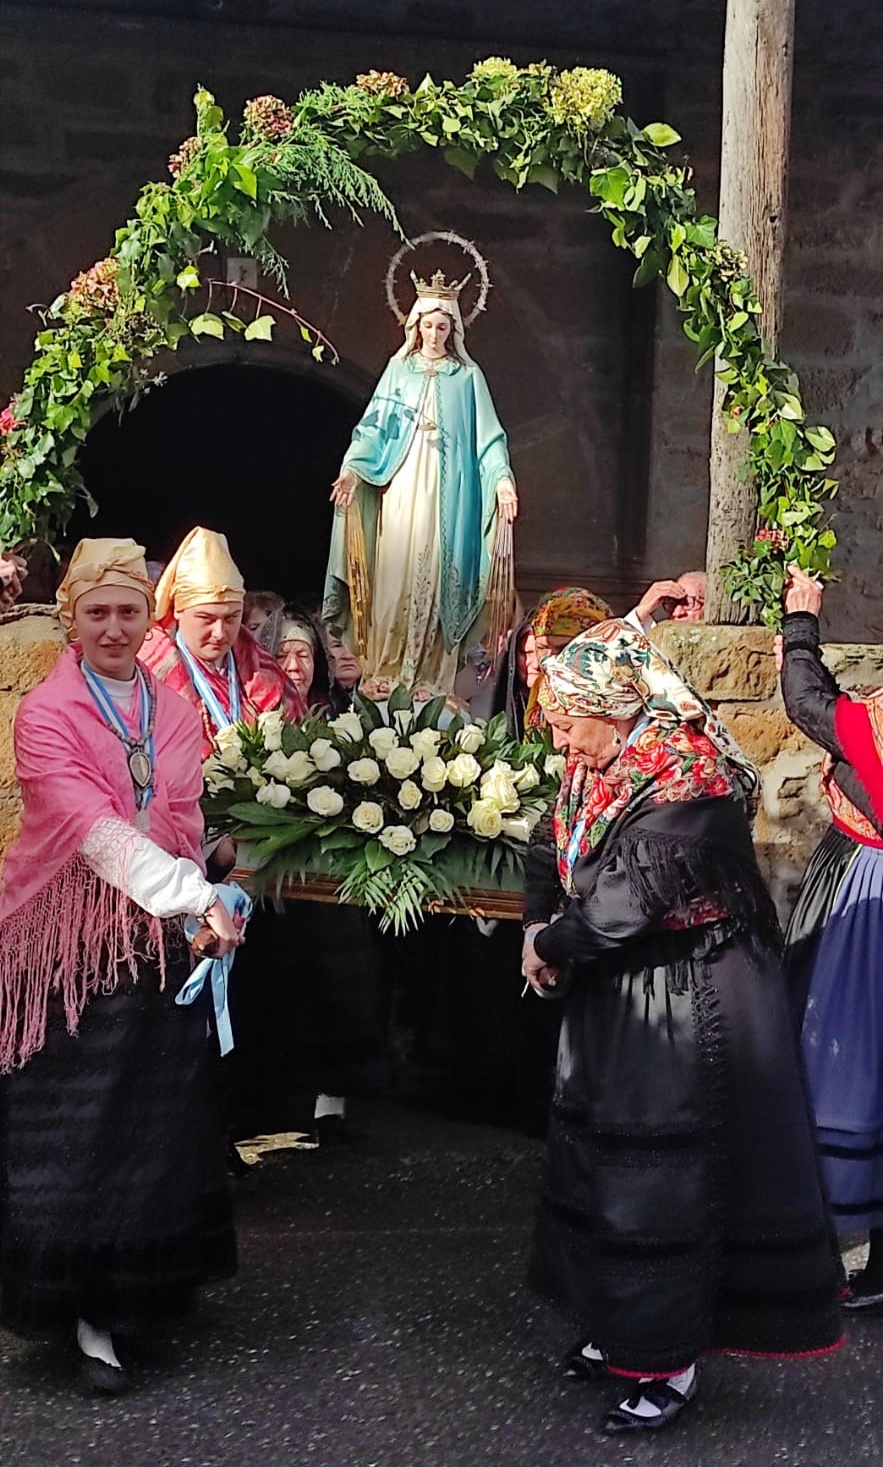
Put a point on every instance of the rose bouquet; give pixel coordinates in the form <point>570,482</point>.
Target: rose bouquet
<point>401,811</point>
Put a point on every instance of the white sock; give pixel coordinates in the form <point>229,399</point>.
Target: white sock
<point>642,1407</point>
<point>97,1343</point>
<point>329,1105</point>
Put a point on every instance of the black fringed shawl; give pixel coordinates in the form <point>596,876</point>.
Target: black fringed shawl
<point>656,861</point>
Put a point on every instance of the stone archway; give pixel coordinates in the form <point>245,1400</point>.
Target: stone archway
<point>156,472</point>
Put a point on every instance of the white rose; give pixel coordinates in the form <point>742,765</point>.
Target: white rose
<point>256,778</point>
<point>324,755</point>
<point>368,817</point>
<point>383,741</point>
<point>498,785</point>
<point>228,738</point>
<point>299,768</point>
<point>485,819</point>
<point>425,742</point>
<point>348,724</point>
<point>277,765</point>
<point>364,771</point>
<point>216,777</point>
<point>401,762</point>
<point>553,765</point>
<point>463,770</point>
<point>470,738</point>
<point>230,754</point>
<point>527,778</point>
<point>434,774</point>
<point>398,839</point>
<point>517,827</point>
<point>271,725</point>
<point>441,821</point>
<point>403,720</point>
<point>274,795</point>
<point>410,795</point>
<point>323,800</point>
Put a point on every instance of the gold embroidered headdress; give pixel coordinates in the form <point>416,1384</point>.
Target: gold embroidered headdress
<point>201,571</point>
<point>102,562</point>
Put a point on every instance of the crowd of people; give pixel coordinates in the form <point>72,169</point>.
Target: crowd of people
<point>717,1114</point>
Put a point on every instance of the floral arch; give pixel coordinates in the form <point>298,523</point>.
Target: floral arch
<point>293,163</point>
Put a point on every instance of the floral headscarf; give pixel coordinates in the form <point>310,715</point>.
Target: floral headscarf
<point>562,613</point>
<point>567,612</point>
<point>682,753</point>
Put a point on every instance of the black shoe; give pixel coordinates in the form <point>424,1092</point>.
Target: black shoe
<point>331,1131</point>
<point>669,1404</point>
<point>861,1299</point>
<point>577,1366</point>
<point>97,1375</point>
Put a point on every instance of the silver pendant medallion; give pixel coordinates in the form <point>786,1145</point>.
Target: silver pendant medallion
<point>140,768</point>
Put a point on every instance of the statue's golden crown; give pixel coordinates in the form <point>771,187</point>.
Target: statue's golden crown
<point>445,290</point>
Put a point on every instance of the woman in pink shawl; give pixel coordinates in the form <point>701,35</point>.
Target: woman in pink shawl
<point>113,1194</point>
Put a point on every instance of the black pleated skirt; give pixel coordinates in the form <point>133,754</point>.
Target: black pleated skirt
<point>682,1208</point>
<point>114,1201</point>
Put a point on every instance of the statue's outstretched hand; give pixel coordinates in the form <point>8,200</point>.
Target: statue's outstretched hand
<point>507,500</point>
<point>343,490</point>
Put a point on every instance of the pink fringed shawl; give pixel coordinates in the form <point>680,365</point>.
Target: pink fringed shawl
<point>62,929</point>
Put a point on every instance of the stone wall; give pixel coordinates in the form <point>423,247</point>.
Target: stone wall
<point>29,647</point>
<point>734,668</point>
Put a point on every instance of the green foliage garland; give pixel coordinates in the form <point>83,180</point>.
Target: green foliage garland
<point>296,163</point>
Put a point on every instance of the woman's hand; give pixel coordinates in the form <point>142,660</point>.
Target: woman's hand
<point>802,593</point>
<point>507,500</point>
<point>224,927</point>
<point>343,490</point>
<point>539,975</point>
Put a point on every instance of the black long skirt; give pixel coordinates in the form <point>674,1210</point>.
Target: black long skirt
<point>309,1010</point>
<point>114,1201</point>
<point>682,1209</point>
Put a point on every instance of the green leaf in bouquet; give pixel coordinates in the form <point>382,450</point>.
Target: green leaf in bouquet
<point>456,724</point>
<point>400,701</point>
<point>251,813</point>
<point>431,712</point>
<point>377,856</point>
<point>342,840</point>
<point>296,738</point>
<point>368,711</point>
<point>433,842</point>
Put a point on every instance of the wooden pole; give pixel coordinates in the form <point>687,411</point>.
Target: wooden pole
<point>755,136</point>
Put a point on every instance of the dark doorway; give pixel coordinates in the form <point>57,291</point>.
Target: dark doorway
<point>249,450</point>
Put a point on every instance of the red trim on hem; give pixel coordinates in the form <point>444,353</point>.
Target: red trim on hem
<point>731,1350</point>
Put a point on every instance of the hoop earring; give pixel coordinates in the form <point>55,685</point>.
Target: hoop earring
<point>617,742</point>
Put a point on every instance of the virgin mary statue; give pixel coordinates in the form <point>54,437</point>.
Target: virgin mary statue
<point>420,491</point>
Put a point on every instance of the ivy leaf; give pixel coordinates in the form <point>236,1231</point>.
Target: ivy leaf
<point>188,279</point>
<point>207,325</point>
<point>661,135</point>
<point>822,439</point>
<point>460,159</point>
<point>677,277</point>
<point>789,406</point>
<point>261,329</point>
<point>245,180</point>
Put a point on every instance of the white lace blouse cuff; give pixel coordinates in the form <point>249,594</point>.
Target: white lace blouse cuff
<point>164,885</point>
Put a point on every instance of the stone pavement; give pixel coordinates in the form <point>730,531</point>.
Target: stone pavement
<point>380,1319</point>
